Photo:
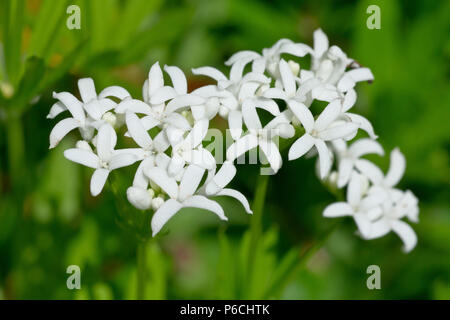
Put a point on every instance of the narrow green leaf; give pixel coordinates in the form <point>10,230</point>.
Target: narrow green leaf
<point>13,16</point>
<point>49,22</point>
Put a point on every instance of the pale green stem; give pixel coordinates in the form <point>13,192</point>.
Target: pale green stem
<point>142,279</point>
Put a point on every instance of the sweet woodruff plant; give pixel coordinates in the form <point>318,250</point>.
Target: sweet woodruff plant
<point>168,126</point>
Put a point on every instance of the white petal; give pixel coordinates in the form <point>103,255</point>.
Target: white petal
<point>149,122</point>
<point>338,209</point>
<point>328,115</point>
<point>178,79</point>
<point>241,146</point>
<point>182,101</point>
<point>155,77</point>
<point>137,131</point>
<point>270,150</point>
<point>303,114</point>
<point>370,170</point>
<point>178,121</point>
<point>61,129</point>
<point>287,77</point>
<point>162,95</point>
<point>164,181</point>
<point>190,181</point>
<point>56,109</point>
<point>250,115</point>
<point>324,93</point>
<point>160,142</point>
<point>114,91</point>
<point>235,124</point>
<point>324,158</point>
<point>98,181</point>
<point>87,89</point>
<point>238,196</point>
<point>362,147</point>
<point>349,100</point>
<point>163,214</point>
<point>104,142</point>
<point>296,49</point>
<point>122,160</point>
<point>245,54</point>
<point>259,65</point>
<point>364,224</point>
<point>345,171</point>
<point>354,189</point>
<point>202,202</point>
<point>140,180</point>
<point>363,123</point>
<point>209,72</point>
<point>238,68</point>
<point>380,228</point>
<point>133,105</point>
<point>176,165</point>
<point>301,146</point>
<point>94,109</point>
<point>338,131</point>
<point>396,168</point>
<point>406,233</point>
<point>81,156</point>
<point>320,42</point>
<point>225,174</point>
<point>360,74</point>
<point>198,133</point>
<point>202,158</point>
<point>74,106</point>
<point>275,93</point>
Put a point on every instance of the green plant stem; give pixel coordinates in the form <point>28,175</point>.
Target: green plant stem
<point>141,256</point>
<point>277,287</point>
<point>16,147</point>
<point>256,221</point>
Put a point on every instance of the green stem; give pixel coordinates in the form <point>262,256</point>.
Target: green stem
<point>277,287</point>
<point>16,147</point>
<point>141,256</point>
<point>256,222</point>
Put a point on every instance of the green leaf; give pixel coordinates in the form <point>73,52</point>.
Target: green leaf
<point>13,17</point>
<point>28,88</point>
<point>49,22</point>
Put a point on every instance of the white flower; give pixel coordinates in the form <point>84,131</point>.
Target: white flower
<point>262,137</point>
<point>270,56</point>
<point>393,211</point>
<point>190,150</point>
<point>395,173</point>
<point>286,89</point>
<point>361,207</point>
<point>216,182</point>
<point>106,159</point>
<point>85,113</point>
<point>227,97</point>
<point>181,195</point>
<point>156,111</point>
<point>317,132</point>
<point>328,78</point>
<point>349,156</point>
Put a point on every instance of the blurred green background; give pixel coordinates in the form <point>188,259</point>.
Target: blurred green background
<point>48,220</point>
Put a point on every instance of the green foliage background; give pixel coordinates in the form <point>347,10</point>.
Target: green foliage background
<point>48,220</point>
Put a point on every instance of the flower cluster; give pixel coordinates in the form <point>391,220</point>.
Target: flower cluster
<point>169,126</point>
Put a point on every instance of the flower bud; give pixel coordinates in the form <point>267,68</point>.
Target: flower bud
<point>295,67</point>
<point>286,131</point>
<point>157,202</point>
<point>139,197</point>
